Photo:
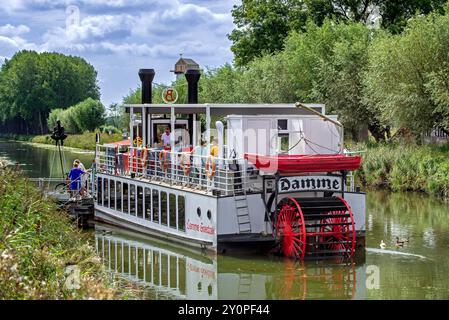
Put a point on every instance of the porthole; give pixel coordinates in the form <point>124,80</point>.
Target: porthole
<point>209,214</point>
<point>199,286</point>
<point>198,212</point>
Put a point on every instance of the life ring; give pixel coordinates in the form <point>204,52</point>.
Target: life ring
<point>143,158</point>
<point>185,163</point>
<point>211,167</point>
<point>163,158</point>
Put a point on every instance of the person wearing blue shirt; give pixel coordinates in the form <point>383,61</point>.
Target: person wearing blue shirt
<point>75,178</point>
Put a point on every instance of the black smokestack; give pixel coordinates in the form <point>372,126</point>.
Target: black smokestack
<point>192,76</point>
<point>146,76</point>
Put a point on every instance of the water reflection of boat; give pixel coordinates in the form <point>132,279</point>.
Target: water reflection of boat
<point>172,272</point>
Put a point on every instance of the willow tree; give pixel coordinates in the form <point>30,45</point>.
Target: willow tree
<point>33,84</point>
<point>407,79</point>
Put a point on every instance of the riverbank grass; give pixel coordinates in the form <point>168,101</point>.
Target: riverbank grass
<point>42,254</point>
<point>406,167</point>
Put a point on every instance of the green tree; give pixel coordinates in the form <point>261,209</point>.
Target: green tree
<point>33,84</point>
<point>407,76</point>
<point>87,115</point>
<point>262,26</point>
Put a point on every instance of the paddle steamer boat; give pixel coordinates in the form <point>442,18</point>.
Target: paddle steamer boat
<point>281,180</point>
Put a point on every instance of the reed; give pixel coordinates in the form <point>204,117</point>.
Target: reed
<point>406,167</point>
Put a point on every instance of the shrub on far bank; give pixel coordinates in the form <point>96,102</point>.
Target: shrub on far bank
<point>84,116</point>
<point>406,167</point>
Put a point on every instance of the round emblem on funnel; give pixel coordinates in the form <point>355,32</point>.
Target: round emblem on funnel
<point>170,95</point>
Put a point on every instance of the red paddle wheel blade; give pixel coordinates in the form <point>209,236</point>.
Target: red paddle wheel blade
<point>290,229</point>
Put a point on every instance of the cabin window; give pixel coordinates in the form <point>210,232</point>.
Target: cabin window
<point>148,204</point>
<point>164,208</point>
<point>156,217</point>
<point>140,202</point>
<point>282,124</point>
<point>118,196</point>
<point>172,206</point>
<point>132,200</point>
<point>125,199</point>
<point>283,142</point>
<point>106,193</point>
<point>100,191</point>
<point>181,213</point>
<point>112,195</point>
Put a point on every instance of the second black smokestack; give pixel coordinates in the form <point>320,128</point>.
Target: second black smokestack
<point>147,76</point>
<point>192,76</point>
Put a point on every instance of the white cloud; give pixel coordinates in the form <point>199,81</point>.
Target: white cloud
<point>10,30</point>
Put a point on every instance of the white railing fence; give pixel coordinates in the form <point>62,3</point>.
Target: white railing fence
<point>226,176</point>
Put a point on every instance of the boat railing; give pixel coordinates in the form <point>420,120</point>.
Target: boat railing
<point>182,167</point>
<point>58,187</point>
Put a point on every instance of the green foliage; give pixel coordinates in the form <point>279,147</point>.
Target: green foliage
<point>87,115</point>
<point>38,242</point>
<point>262,26</point>
<point>407,77</point>
<point>33,84</point>
<point>406,167</point>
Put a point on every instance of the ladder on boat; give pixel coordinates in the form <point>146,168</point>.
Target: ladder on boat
<point>242,211</point>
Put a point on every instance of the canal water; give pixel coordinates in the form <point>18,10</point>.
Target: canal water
<point>419,270</point>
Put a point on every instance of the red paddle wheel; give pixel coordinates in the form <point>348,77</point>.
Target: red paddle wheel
<point>290,229</point>
<point>338,231</point>
<point>319,228</point>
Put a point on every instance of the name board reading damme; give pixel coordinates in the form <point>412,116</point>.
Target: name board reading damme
<point>310,183</point>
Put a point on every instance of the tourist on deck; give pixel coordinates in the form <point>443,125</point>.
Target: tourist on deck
<point>214,148</point>
<point>199,161</point>
<point>166,138</point>
<point>75,179</point>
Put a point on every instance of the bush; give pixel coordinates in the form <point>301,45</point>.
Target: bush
<point>402,167</point>
<point>84,116</point>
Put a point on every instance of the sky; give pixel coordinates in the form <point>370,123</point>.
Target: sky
<point>119,37</point>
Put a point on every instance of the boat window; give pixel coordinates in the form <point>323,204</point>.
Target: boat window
<point>282,124</point>
<point>198,211</point>
<point>283,143</point>
<point>164,208</point>
<point>106,193</point>
<point>132,200</point>
<point>172,205</point>
<point>100,191</point>
<point>147,204</point>
<point>209,214</point>
<point>118,196</point>
<point>140,202</point>
<point>125,198</point>
<point>181,213</point>
<point>156,217</point>
<point>112,193</point>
